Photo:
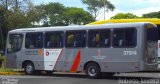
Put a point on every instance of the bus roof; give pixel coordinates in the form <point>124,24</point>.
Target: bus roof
<point>152,20</point>
<point>81,27</point>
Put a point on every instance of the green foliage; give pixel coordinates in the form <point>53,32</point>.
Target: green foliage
<point>1,58</point>
<point>51,14</point>
<point>55,14</point>
<point>96,6</point>
<point>1,61</point>
<point>3,28</point>
<point>18,15</point>
<point>15,14</point>
<point>124,16</point>
<point>23,13</point>
<point>75,15</point>
<point>152,15</point>
<point>3,69</point>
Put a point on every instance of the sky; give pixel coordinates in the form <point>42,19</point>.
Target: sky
<point>137,7</point>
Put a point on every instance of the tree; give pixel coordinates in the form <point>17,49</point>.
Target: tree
<point>16,14</point>
<point>78,16</point>
<point>152,15</point>
<point>124,16</point>
<point>51,13</point>
<point>96,6</point>
<point>55,14</point>
<point>3,28</point>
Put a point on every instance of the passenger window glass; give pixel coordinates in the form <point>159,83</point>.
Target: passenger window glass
<point>99,38</point>
<point>152,34</point>
<point>54,39</point>
<point>34,40</point>
<point>124,37</point>
<point>76,38</point>
<point>15,42</point>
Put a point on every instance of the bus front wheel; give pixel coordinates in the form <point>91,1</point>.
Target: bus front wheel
<point>29,69</point>
<point>93,70</point>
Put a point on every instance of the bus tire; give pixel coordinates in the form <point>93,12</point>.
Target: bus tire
<point>29,68</point>
<point>92,70</point>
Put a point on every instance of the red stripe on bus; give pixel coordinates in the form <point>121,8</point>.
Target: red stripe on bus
<point>76,62</point>
<point>58,58</point>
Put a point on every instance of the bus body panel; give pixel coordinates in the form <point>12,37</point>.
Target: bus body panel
<point>106,59</point>
<point>110,59</point>
<point>34,55</point>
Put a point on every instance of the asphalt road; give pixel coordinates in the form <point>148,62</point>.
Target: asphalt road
<point>61,78</point>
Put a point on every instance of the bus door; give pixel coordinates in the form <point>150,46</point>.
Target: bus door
<point>13,48</point>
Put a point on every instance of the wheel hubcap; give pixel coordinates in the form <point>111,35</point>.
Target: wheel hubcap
<point>92,71</point>
<point>29,69</point>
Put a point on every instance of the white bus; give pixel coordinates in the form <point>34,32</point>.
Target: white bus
<point>93,49</point>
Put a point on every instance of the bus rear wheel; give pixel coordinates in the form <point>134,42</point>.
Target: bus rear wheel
<point>93,70</point>
<point>29,68</point>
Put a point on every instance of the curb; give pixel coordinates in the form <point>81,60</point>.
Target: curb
<point>12,73</point>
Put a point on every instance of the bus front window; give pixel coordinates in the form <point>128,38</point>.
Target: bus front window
<point>14,43</point>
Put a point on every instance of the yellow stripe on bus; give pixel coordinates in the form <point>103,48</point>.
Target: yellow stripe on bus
<point>152,20</point>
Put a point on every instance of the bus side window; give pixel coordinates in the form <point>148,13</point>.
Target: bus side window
<point>99,38</point>
<point>70,40</point>
<point>54,39</point>
<point>75,38</point>
<point>34,40</point>
<point>105,38</point>
<point>130,37</point>
<point>118,37</point>
<point>124,37</point>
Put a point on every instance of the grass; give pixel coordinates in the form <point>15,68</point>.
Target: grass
<point>2,66</point>
<point>1,58</point>
<point>4,69</point>
<point>7,71</point>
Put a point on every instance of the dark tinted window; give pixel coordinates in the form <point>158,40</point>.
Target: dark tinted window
<point>152,34</point>
<point>15,42</point>
<point>98,38</point>
<point>124,37</point>
<point>34,40</point>
<point>75,38</point>
<point>54,39</point>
